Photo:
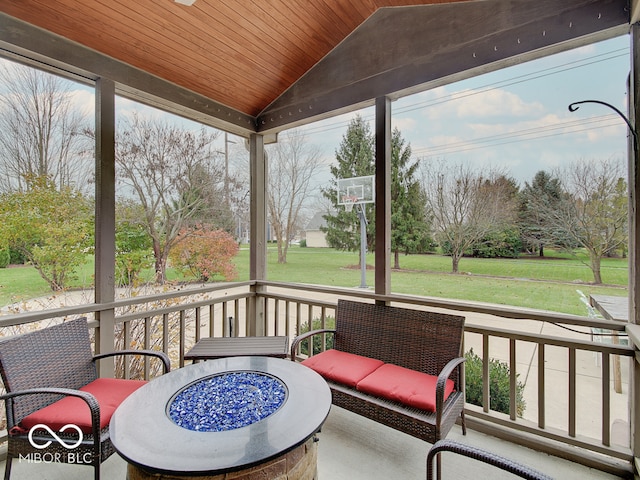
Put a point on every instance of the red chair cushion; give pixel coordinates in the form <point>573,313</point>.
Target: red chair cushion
<point>342,367</point>
<point>109,392</point>
<point>403,385</point>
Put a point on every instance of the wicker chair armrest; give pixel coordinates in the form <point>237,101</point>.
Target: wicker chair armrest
<point>475,453</point>
<point>442,381</point>
<point>88,398</point>
<point>150,353</point>
<point>296,341</point>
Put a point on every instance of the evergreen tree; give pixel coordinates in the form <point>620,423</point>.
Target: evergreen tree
<point>355,158</point>
<point>410,231</point>
<point>544,194</point>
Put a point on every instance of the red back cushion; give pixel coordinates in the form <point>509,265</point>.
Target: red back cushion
<point>402,385</point>
<point>109,392</point>
<point>342,367</point>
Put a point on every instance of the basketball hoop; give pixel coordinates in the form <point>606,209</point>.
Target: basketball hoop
<point>349,201</point>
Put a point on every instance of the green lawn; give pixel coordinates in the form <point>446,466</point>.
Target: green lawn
<point>549,283</point>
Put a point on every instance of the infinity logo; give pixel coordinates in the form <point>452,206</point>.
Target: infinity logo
<point>52,433</point>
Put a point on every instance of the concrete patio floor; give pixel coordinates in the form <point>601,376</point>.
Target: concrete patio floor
<point>354,448</point>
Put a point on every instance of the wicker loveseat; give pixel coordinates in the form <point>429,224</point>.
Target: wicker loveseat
<point>394,349</point>
<point>57,409</point>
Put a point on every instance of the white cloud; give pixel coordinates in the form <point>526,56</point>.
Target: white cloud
<point>404,124</point>
<point>84,100</point>
<point>494,103</point>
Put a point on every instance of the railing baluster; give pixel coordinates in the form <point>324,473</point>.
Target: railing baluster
<point>541,386</point>
<point>276,318</point>
<point>212,332</point>
<point>572,392</point>
<point>287,323</point>
<point>247,315</point>
<point>147,345</point>
<point>165,333</point>
<point>513,380</point>
<point>606,399</point>
<point>310,325</point>
<point>236,315</point>
<point>127,344</point>
<point>226,327</point>
<point>265,323</point>
<point>323,322</point>
<point>486,391</point>
<point>197,324</point>
<point>182,334</point>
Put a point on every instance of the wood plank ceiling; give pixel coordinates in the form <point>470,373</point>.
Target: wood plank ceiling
<point>215,47</point>
<point>255,57</point>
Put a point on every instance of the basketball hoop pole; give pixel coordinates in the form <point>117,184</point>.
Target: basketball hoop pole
<point>363,247</point>
<point>348,206</point>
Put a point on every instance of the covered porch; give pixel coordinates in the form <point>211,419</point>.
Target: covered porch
<point>310,62</point>
<point>573,411</point>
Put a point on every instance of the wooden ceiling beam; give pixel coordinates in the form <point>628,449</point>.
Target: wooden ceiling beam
<point>433,45</point>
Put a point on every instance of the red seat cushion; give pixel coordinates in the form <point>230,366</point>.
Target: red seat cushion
<point>403,385</point>
<point>109,392</point>
<point>342,367</point>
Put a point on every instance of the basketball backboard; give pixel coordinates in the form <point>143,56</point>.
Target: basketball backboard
<point>356,190</point>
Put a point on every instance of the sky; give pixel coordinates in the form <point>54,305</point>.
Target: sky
<point>515,119</point>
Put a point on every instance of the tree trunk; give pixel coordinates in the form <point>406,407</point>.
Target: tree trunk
<point>282,252</point>
<point>396,260</point>
<point>541,250</point>
<point>160,263</point>
<point>595,268</point>
<point>455,261</point>
<point>161,271</point>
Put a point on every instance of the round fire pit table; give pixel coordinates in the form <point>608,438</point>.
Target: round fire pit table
<point>253,414</point>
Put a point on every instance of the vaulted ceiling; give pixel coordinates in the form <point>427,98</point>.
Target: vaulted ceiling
<point>267,65</point>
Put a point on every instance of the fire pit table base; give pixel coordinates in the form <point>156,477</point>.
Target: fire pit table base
<point>301,463</point>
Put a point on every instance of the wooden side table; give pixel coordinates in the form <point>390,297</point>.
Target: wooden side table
<point>210,348</point>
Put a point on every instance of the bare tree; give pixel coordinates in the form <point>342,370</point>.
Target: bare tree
<point>41,130</point>
<point>165,166</point>
<point>292,165</point>
<point>238,187</point>
<point>593,211</point>
<point>465,205</point>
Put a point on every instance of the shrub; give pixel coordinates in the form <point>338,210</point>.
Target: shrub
<point>133,252</point>
<point>498,384</point>
<point>17,257</point>
<point>5,257</point>
<point>205,253</point>
<point>330,322</point>
<point>503,244</point>
<point>129,266</point>
<point>51,226</point>
<point>303,243</point>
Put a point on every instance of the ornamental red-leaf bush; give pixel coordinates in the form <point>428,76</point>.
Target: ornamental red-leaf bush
<point>205,253</point>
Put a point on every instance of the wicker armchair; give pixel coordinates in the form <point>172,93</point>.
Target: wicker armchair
<point>483,456</point>
<point>49,366</point>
